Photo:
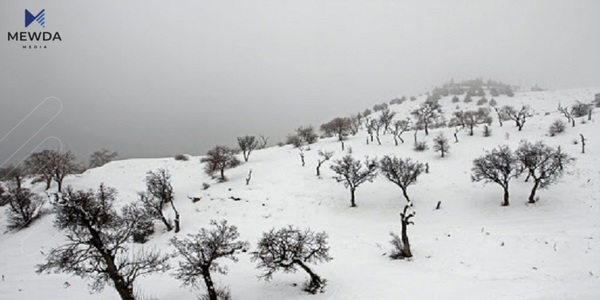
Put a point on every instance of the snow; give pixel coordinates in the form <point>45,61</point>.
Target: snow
<point>472,248</point>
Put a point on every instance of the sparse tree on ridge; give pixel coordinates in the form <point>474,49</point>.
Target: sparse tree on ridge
<point>247,144</point>
<point>353,173</point>
<point>97,243</point>
<point>339,127</point>
<point>402,172</point>
<point>287,249</point>
<point>440,144</point>
<point>498,166</point>
<point>218,159</point>
<point>307,134</point>
<point>102,157</point>
<point>201,251</point>
<point>543,163</point>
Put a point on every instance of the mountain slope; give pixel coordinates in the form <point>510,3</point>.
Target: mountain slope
<point>471,248</point>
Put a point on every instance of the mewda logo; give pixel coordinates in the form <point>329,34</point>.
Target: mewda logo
<point>40,18</point>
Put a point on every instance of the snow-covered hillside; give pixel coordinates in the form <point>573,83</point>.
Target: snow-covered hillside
<point>471,248</point>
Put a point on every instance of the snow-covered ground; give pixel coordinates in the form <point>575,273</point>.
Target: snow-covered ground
<point>472,248</point>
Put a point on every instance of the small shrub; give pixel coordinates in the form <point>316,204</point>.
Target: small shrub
<point>556,127</point>
<point>455,99</point>
<point>205,186</point>
<point>181,157</point>
<point>493,102</point>
<point>421,146</point>
<point>396,242</point>
<point>482,101</point>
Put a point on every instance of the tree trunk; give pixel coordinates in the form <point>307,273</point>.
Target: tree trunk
<point>176,217</point>
<point>535,187</point>
<point>210,287</point>
<point>426,129</point>
<point>505,203</point>
<point>164,220</point>
<point>378,141</point>
<point>124,289</point>
<point>405,195</point>
<point>395,140</point>
<point>59,185</point>
<point>223,174</point>
<point>48,183</point>
<point>455,138</point>
<point>405,242</point>
<point>315,280</point>
<point>352,202</point>
<point>342,147</point>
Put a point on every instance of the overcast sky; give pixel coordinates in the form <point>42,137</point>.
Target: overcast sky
<point>159,78</point>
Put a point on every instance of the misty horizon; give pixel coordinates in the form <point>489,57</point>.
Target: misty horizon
<point>150,79</point>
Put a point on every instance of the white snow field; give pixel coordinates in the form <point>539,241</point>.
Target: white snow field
<point>471,248</point>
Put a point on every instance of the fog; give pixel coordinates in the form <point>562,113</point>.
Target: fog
<point>159,78</point>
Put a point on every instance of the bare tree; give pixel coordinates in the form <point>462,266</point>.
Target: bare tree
<point>247,143</point>
<point>301,153</point>
<point>97,243</point>
<point>498,166</point>
<point>102,157</point>
<point>159,193</point>
<point>218,159</point>
<point>400,126</point>
<point>386,118</point>
<point>402,172</point>
<point>426,113</point>
<point>40,165</point>
<point>307,134</point>
<point>519,116</point>
<point>544,164</point>
<point>583,139</point>
<point>288,248</point>
<point>338,126</point>
<point>24,206</point>
<point>324,156</point>
<point>354,123</point>
<point>440,144</point>
<point>568,113</point>
<point>201,251</point>
<point>262,142</point>
<point>353,173</point>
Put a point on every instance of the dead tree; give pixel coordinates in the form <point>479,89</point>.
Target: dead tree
<point>386,119</point>
<point>262,142</point>
<point>582,143</point>
<point>402,247</point>
<point>301,153</point>
<point>324,156</point>
<point>519,116</point>
<point>249,177</point>
<point>426,113</point>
